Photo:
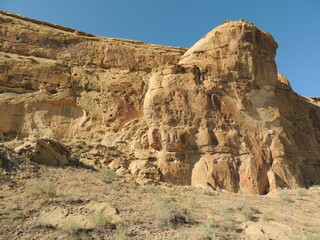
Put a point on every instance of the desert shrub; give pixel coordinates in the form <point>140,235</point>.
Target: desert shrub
<point>120,232</point>
<point>193,202</point>
<point>284,194</point>
<point>268,215</point>
<point>115,185</point>
<point>42,189</point>
<point>243,206</point>
<point>111,154</point>
<point>14,214</point>
<point>71,226</point>
<point>222,225</point>
<point>211,230</point>
<point>109,175</point>
<point>226,221</point>
<point>296,235</point>
<point>101,220</point>
<point>313,236</point>
<point>169,213</point>
<point>301,192</point>
<point>147,189</point>
<point>83,236</point>
<point>133,185</point>
<point>207,191</point>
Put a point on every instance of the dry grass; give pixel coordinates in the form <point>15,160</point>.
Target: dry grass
<point>109,176</point>
<point>151,212</point>
<point>42,189</point>
<point>169,213</point>
<point>101,220</point>
<point>71,226</point>
<point>11,213</point>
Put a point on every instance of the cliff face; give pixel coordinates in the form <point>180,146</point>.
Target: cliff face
<point>60,83</point>
<point>215,115</point>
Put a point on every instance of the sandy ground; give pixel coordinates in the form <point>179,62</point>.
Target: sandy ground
<point>40,202</point>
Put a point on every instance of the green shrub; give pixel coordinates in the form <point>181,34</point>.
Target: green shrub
<point>301,192</point>
<point>211,229</point>
<point>284,194</point>
<point>42,189</point>
<point>109,175</point>
<point>14,214</point>
<point>169,213</point>
<point>101,220</point>
<point>243,206</point>
<point>120,232</point>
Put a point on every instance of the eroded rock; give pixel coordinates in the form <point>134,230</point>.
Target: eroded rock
<point>217,115</point>
<point>46,151</point>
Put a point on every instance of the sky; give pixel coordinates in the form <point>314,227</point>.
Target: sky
<point>295,25</point>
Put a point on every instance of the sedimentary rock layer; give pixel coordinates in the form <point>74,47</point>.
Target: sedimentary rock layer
<point>217,114</point>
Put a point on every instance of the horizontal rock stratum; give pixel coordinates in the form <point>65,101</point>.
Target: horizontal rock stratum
<point>215,115</point>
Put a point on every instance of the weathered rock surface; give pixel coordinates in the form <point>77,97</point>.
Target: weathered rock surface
<point>216,115</point>
<point>46,151</point>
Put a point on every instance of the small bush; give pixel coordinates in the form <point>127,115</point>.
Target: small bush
<point>111,154</point>
<point>169,213</point>
<point>207,191</point>
<point>100,219</point>
<point>83,236</point>
<point>109,175</point>
<point>42,189</point>
<point>268,215</point>
<point>284,195</point>
<point>193,202</point>
<point>120,232</point>
<point>313,236</point>
<point>243,206</point>
<point>115,185</point>
<point>301,192</point>
<point>14,214</point>
<point>221,226</point>
<point>227,218</point>
<point>211,229</point>
<point>295,235</point>
<point>133,185</point>
<point>71,226</point>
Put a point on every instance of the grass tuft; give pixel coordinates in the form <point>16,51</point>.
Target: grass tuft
<point>169,213</point>
<point>101,220</point>
<point>45,189</point>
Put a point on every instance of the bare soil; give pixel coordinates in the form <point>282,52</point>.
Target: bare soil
<point>41,202</point>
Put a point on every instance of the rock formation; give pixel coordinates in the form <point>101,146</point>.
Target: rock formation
<point>45,151</point>
<point>217,114</point>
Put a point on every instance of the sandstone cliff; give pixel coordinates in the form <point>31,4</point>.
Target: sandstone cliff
<point>215,115</point>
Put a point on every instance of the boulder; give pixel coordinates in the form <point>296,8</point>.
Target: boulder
<point>46,151</point>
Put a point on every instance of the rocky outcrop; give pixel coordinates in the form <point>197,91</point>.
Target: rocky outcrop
<point>45,151</point>
<point>217,114</point>
<point>56,82</point>
<point>222,117</point>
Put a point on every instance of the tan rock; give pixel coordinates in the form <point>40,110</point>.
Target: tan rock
<point>79,219</point>
<point>229,94</point>
<point>217,115</point>
<point>46,151</point>
<point>144,169</point>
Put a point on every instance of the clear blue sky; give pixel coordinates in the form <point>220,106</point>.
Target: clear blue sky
<point>295,25</point>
